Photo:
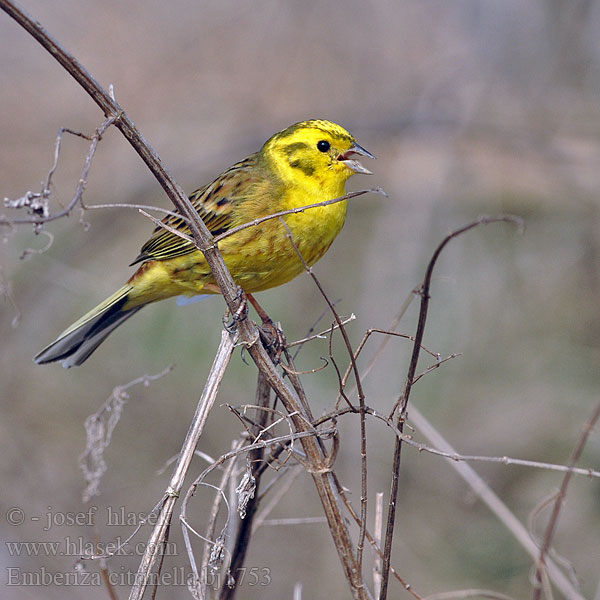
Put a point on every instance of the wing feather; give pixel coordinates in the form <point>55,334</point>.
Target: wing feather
<point>215,203</point>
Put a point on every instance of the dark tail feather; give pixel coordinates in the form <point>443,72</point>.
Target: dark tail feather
<point>75,344</point>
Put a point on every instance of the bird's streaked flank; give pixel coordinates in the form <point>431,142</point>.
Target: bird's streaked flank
<point>304,164</point>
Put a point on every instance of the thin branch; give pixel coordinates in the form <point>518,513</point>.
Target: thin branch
<point>238,554</point>
<point>403,400</point>
<point>294,211</point>
<point>376,547</point>
<point>258,221</point>
<point>378,535</point>
<point>262,444</point>
<point>211,526</point>
<point>563,562</point>
<point>210,556</point>
<point>361,400</point>
<point>551,528</point>
<point>494,503</point>
<point>468,474</point>
<point>391,330</point>
<point>140,207</point>
<point>321,335</point>
<point>166,227</point>
<point>205,403</point>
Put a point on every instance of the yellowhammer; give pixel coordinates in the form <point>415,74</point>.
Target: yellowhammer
<point>304,164</point>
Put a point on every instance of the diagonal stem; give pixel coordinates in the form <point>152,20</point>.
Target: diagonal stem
<point>154,546</point>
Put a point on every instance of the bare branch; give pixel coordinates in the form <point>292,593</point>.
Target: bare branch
<point>294,211</point>
<point>320,336</point>
<point>163,225</point>
<point>38,203</point>
<point>139,207</point>
<point>551,528</point>
<point>205,403</point>
<point>361,399</point>
<point>403,401</point>
<point>248,507</point>
<point>494,503</point>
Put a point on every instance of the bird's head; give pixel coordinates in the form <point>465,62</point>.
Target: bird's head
<point>317,152</point>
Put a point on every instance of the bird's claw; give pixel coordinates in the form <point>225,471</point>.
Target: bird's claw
<point>230,320</point>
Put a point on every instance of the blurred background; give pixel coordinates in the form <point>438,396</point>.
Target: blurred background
<point>471,108</point>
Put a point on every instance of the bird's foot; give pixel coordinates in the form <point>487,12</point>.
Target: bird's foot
<point>230,320</point>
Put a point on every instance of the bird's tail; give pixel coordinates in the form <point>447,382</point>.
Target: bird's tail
<point>75,344</point>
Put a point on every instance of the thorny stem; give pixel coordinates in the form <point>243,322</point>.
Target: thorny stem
<point>403,400</point>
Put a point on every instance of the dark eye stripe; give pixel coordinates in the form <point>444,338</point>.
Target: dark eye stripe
<point>292,148</point>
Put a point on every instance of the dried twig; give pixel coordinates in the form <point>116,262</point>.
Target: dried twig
<point>361,399</point>
<point>205,403</point>
<point>37,203</point>
<point>376,546</point>
<point>551,528</point>
<point>494,503</point>
<point>403,400</point>
<point>321,335</point>
<point>294,211</point>
<point>238,554</point>
<point>99,428</point>
<point>255,222</point>
<point>201,578</point>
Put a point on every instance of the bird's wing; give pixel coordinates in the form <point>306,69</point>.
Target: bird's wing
<point>215,204</point>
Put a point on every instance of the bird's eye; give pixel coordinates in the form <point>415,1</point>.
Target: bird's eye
<point>323,146</point>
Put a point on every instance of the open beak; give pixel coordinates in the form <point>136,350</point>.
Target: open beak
<point>352,163</point>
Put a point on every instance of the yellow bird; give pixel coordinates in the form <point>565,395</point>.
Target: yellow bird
<point>304,164</point>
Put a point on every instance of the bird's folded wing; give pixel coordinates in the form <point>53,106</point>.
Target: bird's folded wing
<point>215,204</point>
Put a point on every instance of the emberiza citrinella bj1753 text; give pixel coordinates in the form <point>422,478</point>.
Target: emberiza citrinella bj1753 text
<point>304,164</point>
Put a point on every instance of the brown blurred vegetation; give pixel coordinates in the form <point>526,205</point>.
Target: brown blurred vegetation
<point>471,108</point>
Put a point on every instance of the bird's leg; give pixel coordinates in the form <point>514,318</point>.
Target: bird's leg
<point>260,310</point>
<point>272,336</point>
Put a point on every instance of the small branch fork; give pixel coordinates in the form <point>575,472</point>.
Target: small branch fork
<point>37,203</point>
